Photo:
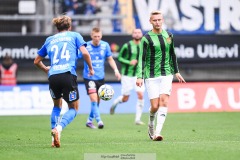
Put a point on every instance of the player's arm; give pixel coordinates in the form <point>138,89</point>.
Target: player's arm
<point>174,63</point>
<point>39,64</point>
<point>140,64</point>
<point>114,67</point>
<point>141,59</point>
<point>123,53</point>
<point>38,60</point>
<point>87,58</point>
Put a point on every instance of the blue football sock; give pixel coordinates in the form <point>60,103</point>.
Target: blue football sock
<point>91,115</point>
<point>97,113</point>
<point>55,116</point>
<point>68,117</point>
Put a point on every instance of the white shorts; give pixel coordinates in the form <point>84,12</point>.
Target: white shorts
<point>128,84</point>
<point>159,85</point>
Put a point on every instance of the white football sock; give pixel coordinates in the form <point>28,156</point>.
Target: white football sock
<point>59,128</point>
<point>151,117</point>
<point>161,116</point>
<point>139,109</point>
<point>117,101</point>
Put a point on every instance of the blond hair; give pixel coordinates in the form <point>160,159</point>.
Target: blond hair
<point>62,22</point>
<point>96,29</point>
<point>155,12</point>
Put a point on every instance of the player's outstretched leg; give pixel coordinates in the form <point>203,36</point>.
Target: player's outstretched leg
<point>139,109</point>
<point>115,103</point>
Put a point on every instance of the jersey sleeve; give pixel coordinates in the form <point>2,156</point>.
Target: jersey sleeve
<point>123,53</point>
<point>173,59</point>
<point>42,51</point>
<point>141,58</point>
<point>80,41</point>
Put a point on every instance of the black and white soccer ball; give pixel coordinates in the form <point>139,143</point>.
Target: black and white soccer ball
<point>106,92</point>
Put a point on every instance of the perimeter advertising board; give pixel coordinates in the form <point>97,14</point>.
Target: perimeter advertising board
<point>191,16</point>
<point>35,99</point>
<point>189,49</point>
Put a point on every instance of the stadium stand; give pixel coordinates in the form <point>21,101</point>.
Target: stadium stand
<point>13,22</point>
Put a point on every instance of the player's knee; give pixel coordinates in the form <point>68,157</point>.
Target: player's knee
<point>154,108</point>
<point>140,96</point>
<point>58,102</point>
<point>74,105</point>
<point>164,102</point>
<point>125,98</point>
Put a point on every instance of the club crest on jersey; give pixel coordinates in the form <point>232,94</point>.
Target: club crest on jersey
<point>72,95</point>
<point>169,40</point>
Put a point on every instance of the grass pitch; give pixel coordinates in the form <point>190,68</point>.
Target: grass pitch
<point>187,136</point>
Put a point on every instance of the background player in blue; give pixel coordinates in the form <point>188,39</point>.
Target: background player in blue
<point>62,50</point>
<point>99,51</point>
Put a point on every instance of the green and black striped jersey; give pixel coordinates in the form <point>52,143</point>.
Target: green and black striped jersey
<point>129,51</point>
<point>157,56</point>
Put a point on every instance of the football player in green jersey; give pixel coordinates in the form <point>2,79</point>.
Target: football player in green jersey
<point>157,64</point>
<point>128,57</point>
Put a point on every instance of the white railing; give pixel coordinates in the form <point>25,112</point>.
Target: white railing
<point>40,22</point>
<point>46,19</point>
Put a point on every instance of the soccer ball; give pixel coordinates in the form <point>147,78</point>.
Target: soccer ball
<point>105,92</point>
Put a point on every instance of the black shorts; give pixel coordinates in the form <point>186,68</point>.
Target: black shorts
<point>92,86</point>
<point>64,85</point>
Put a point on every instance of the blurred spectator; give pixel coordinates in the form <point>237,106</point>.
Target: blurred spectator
<point>116,22</point>
<point>92,8</point>
<point>8,71</point>
<point>73,7</point>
